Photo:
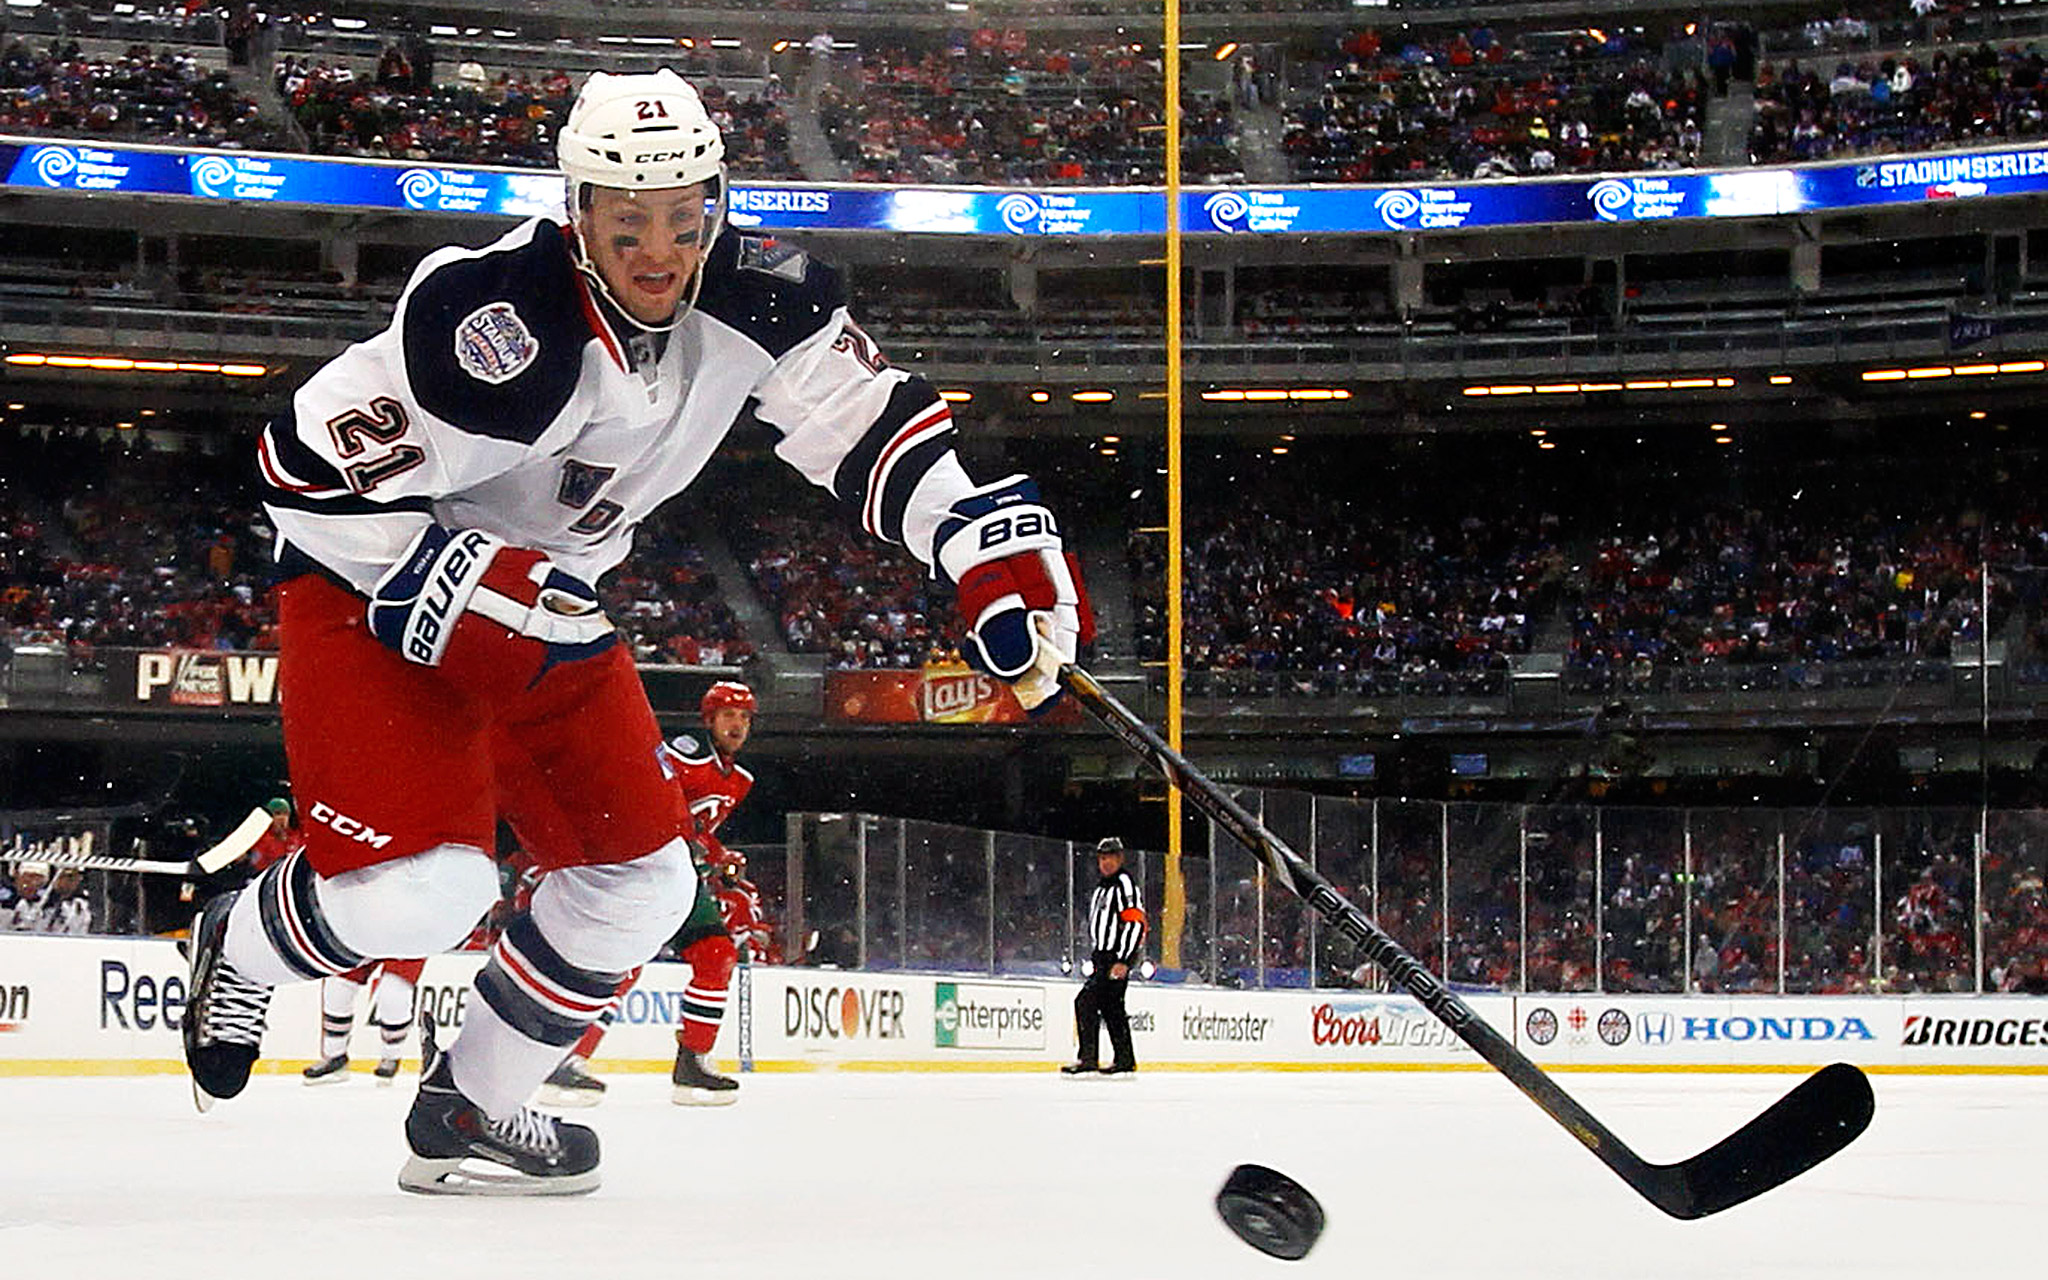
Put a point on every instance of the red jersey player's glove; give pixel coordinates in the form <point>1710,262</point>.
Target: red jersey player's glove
<point>1020,592</point>
<point>488,615</point>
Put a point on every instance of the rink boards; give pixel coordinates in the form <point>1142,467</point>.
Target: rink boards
<point>114,1005</point>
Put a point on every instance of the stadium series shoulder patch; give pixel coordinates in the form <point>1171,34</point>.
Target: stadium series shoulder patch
<point>492,344</point>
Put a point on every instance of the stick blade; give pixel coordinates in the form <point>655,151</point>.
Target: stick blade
<point>1806,1126</point>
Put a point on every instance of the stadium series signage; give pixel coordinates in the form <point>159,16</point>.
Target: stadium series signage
<point>1051,212</point>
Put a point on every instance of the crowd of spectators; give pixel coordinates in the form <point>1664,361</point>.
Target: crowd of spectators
<point>142,549</point>
<point>162,96</point>
<point>1744,586</point>
<point>1003,106</point>
<point>1315,584</point>
<point>838,592</point>
<point>1948,97</point>
<point>1625,929</point>
<point>668,601</point>
<point>509,118</point>
<point>991,109</point>
<point>1478,105</point>
<point>152,549</point>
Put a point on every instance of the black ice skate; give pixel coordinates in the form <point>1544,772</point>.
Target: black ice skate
<point>697,1085</point>
<point>224,1012</point>
<point>457,1150</point>
<point>1080,1069</point>
<point>328,1070</point>
<point>387,1070</point>
<point>571,1086</point>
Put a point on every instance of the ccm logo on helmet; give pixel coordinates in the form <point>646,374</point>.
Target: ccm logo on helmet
<point>658,157</point>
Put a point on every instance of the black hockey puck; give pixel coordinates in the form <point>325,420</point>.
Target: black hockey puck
<point>1270,1211</point>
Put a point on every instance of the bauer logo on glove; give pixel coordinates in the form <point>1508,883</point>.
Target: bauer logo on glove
<point>1019,590</point>
<point>483,612</point>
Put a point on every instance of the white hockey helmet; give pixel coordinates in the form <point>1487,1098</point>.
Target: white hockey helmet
<point>643,132</point>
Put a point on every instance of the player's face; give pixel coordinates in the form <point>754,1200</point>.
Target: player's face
<point>729,727</point>
<point>646,245</point>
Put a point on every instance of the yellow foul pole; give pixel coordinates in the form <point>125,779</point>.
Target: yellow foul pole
<point>1173,911</point>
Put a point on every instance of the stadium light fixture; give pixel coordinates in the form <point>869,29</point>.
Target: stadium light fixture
<point>1781,379</point>
<point>956,395</point>
<point>1093,397</point>
<point>1921,373</point>
<point>1586,388</point>
<point>1040,397</point>
<point>132,364</point>
<point>1976,415</point>
<point>1224,50</point>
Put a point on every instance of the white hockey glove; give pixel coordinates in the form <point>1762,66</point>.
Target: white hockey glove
<point>1020,591</point>
<point>488,615</point>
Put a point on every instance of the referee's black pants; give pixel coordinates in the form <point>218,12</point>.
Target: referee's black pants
<point>1101,1002</point>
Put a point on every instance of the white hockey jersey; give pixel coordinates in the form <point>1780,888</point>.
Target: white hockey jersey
<point>507,396</point>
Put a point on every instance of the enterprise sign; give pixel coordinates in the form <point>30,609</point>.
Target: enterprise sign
<point>1053,212</point>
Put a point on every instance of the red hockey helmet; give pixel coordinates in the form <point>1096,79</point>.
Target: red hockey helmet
<point>726,693</point>
<point>730,861</point>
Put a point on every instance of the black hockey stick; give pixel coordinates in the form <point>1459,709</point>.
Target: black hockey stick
<point>1818,1118</point>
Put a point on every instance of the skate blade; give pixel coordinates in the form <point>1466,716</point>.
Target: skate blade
<point>385,1082</point>
<point>201,1098</point>
<point>332,1077</point>
<point>469,1176</point>
<point>551,1095</point>
<point>690,1096</point>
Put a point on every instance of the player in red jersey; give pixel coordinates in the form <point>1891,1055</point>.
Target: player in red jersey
<point>712,783</point>
<point>393,984</point>
<point>282,839</point>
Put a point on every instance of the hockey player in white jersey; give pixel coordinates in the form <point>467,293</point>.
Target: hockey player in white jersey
<point>445,494</point>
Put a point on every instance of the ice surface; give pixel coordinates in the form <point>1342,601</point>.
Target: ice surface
<point>850,1176</point>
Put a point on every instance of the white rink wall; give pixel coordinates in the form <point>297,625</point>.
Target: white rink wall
<point>114,1006</point>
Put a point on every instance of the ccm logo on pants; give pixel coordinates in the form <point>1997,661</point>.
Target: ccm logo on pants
<point>361,832</point>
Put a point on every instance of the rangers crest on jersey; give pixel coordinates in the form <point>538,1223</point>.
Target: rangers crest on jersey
<point>580,483</point>
<point>772,257</point>
<point>492,344</point>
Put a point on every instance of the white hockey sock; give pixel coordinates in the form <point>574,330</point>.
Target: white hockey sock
<point>495,1065</point>
<point>337,1015</point>
<point>391,1008</point>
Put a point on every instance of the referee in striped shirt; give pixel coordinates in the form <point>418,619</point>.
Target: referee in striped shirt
<point>1116,932</point>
